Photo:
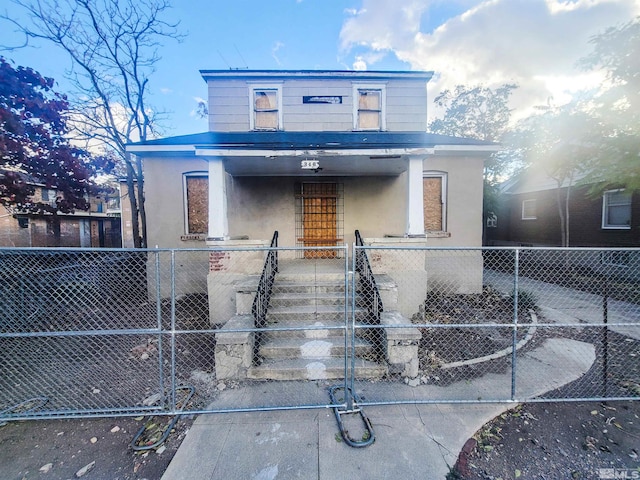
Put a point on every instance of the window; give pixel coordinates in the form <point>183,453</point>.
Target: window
<point>196,187</point>
<point>369,107</point>
<point>529,209</point>
<point>434,194</point>
<point>49,196</point>
<point>616,210</point>
<point>113,203</point>
<point>266,107</point>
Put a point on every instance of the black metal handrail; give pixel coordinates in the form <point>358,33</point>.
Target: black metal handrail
<point>368,284</point>
<point>265,285</point>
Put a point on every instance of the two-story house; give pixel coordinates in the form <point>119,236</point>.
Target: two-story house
<point>315,155</point>
<point>97,227</point>
<point>278,139</point>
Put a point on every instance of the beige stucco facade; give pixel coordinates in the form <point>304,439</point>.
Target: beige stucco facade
<point>257,206</point>
<point>364,133</point>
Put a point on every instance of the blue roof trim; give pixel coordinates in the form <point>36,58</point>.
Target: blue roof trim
<point>313,140</point>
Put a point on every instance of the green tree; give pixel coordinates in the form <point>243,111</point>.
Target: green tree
<point>615,108</point>
<point>483,113</point>
<point>113,46</point>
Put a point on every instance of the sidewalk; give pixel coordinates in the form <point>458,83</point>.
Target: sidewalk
<point>566,305</point>
<point>412,441</point>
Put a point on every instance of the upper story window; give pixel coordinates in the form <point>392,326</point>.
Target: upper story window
<point>49,195</point>
<point>529,209</point>
<point>266,107</point>
<point>434,201</point>
<point>369,107</point>
<point>616,210</point>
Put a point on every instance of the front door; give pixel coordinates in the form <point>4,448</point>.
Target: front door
<point>319,218</point>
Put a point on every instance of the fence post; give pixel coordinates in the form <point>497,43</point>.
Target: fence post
<point>159,319</point>
<point>605,319</point>
<point>173,331</point>
<point>516,274</point>
<point>350,334</point>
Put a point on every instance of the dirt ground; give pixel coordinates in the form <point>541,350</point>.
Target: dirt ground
<point>59,449</point>
<point>590,440</point>
<point>566,440</point>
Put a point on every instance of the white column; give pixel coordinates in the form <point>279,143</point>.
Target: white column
<point>415,205</point>
<point>218,223</point>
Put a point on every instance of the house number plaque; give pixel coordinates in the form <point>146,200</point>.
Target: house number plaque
<point>309,164</point>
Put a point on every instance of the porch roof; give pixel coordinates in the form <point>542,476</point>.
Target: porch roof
<point>340,153</point>
<point>308,140</point>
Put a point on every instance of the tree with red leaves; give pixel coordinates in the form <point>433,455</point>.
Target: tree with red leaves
<point>34,148</point>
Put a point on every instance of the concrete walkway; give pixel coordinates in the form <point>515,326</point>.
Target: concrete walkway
<point>412,441</point>
<point>566,305</point>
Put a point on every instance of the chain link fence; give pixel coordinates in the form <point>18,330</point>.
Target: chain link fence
<point>117,332</point>
<point>505,324</point>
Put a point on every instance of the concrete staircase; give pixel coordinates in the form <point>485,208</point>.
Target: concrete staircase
<point>305,337</point>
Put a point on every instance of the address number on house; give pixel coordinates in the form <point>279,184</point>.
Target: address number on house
<point>309,164</point>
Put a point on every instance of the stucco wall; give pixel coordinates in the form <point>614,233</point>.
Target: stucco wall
<point>259,205</point>
<point>165,200</point>
<point>464,200</point>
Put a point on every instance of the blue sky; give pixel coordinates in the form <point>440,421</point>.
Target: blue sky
<point>534,43</point>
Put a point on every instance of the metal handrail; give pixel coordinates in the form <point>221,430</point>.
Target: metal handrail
<point>369,287</point>
<point>265,285</point>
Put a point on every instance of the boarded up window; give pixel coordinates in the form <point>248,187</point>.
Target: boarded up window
<point>197,204</point>
<point>265,109</point>
<point>369,109</point>
<point>433,204</point>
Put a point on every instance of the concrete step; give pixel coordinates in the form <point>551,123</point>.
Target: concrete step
<point>312,312</point>
<point>292,347</point>
<point>288,286</point>
<point>286,299</point>
<point>313,369</point>
<point>311,327</point>
<point>311,277</point>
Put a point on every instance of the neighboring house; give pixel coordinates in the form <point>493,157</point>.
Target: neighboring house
<point>528,214</point>
<point>316,155</point>
<point>97,227</point>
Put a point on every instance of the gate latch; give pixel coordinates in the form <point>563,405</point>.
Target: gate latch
<point>341,394</point>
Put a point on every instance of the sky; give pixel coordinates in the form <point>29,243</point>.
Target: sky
<point>535,44</point>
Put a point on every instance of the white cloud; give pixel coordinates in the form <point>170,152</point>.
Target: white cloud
<point>360,64</point>
<point>274,50</point>
<point>166,91</point>
<point>534,43</point>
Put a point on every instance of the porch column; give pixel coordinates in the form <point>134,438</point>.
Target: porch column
<point>415,202</point>
<point>218,223</point>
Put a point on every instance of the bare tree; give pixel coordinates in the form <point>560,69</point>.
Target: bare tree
<point>113,46</point>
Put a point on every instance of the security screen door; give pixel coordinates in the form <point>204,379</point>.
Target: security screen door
<point>320,204</point>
